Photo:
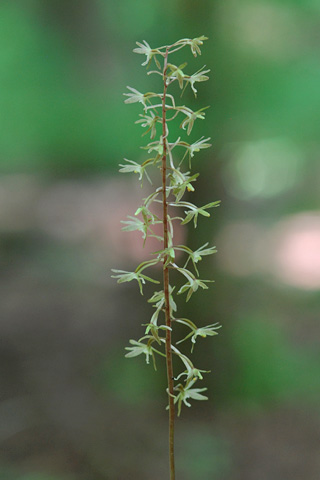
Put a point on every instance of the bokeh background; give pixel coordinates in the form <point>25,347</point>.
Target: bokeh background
<point>72,407</point>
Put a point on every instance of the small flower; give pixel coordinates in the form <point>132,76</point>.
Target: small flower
<point>145,49</point>
<point>159,299</point>
<point>193,214</point>
<point>135,224</point>
<point>137,96</point>
<point>150,122</point>
<point>191,117</point>
<point>192,374</point>
<point>198,145</point>
<point>199,76</point>
<point>136,168</point>
<point>193,148</point>
<point>138,349</point>
<point>195,44</point>
<point>194,211</point>
<point>187,392</point>
<point>208,331</point>
<point>197,255</point>
<point>192,286</point>
<point>155,147</point>
<point>177,73</point>
<point>124,276</point>
<point>182,182</point>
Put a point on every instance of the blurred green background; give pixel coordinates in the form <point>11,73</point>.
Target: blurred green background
<point>71,406</point>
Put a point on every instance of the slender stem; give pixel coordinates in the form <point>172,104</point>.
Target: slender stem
<point>166,274</point>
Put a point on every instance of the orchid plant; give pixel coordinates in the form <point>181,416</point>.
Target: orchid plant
<point>176,180</point>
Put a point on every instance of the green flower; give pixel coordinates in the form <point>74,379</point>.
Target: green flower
<point>193,148</point>
<point>136,168</point>
<point>187,392</point>
<point>145,49</point>
<point>159,299</point>
<point>137,97</point>
<point>194,211</point>
<point>192,286</point>
<point>180,182</point>
<point>155,146</point>
<point>193,283</point>
<point>198,145</point>
<point>208,331</point>
<point>134,224</point>
<point>195,44</point>
<point>177,73</point>
<point>191,117</point>
<point>150,122</point>
<point>139,348</point>
<point>196,256</point>
<point>192,374</point>
<point>124,276</point>
<point>199,76</point>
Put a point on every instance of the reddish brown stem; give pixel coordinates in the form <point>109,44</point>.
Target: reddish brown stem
<point>166,275</point>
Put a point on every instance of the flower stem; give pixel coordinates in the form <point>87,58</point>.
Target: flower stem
<point>166,275</point>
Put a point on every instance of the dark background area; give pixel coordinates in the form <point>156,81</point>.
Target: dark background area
<point>71,406</point>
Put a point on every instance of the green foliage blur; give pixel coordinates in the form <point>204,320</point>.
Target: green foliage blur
<point>64,129</point>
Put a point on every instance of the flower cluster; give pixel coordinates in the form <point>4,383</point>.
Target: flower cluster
<point>177,181</point>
